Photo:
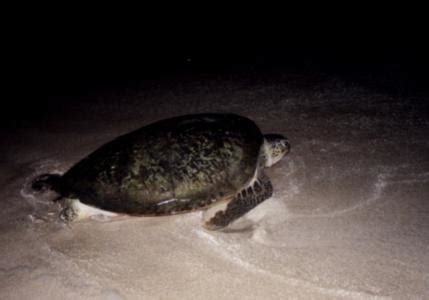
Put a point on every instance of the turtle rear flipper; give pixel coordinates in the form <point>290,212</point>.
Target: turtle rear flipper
<point>46,182</point>
<point>74,210</point>
<point>243,202</point>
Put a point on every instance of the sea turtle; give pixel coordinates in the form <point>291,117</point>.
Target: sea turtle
<point>177,165</point>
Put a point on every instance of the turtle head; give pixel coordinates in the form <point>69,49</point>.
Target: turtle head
<point>275,146</point>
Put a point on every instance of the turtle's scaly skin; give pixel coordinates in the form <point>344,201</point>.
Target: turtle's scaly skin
<point>243,202</point>
<point>171,166</point>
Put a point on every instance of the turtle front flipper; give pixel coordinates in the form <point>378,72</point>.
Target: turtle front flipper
<point>243,202</point>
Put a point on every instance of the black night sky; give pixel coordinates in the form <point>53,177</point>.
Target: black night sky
<point>54,57</point>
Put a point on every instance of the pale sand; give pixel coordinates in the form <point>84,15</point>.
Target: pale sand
<point>349,218</point>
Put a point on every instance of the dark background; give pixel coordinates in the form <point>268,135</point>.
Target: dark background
<point>48,58</point>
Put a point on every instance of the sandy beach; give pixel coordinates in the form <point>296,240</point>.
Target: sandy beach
<point>349,218</point>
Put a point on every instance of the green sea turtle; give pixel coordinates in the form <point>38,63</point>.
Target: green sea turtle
<point>177,165</point>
